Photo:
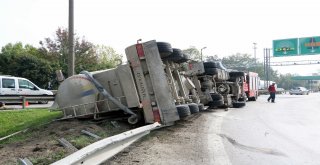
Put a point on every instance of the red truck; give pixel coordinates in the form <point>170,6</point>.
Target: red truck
<point>251,85</point>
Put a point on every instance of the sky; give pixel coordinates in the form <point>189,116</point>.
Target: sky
<point>225,27</point>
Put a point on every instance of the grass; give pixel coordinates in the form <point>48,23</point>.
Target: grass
<point>13,121</point>
<point>51,158</point>
<point>81,141</point>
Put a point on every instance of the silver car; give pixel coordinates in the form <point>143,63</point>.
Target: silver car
<point>299,91</point>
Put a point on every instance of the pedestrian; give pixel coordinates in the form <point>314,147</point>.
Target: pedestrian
<point>272,91</point>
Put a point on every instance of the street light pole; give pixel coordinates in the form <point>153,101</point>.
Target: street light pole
<point>255,53</point>
<point>201,52</point>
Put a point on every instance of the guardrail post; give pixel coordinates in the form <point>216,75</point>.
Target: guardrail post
<point>23,102</point>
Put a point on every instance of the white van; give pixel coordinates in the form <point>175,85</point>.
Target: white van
<point>10,85</point>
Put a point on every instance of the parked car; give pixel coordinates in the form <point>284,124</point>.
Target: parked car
<point>10,85</point>
<point>299,91</point>
<point>280,91</point>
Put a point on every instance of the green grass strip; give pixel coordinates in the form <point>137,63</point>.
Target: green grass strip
<point>17,120</point>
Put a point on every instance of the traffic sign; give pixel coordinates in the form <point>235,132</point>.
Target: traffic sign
<point>285,47</point>
<point>309,45</point>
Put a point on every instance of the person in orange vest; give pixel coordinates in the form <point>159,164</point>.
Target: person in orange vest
<point>272,91</point>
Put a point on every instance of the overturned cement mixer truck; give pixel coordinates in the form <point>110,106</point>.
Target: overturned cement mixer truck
<point>158,84</point>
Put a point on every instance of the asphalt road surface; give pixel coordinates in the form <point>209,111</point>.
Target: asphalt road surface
<point>285,132</point>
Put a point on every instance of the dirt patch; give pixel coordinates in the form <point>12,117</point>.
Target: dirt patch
<point>184,143</point>
<point>40,144</point>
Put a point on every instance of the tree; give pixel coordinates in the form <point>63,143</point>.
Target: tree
<point>238,61</point>
<point>212,58</point>
<point>193,53</point>
<point>87,56</point>
<point>56,50</point>
<point>107,57</point>
<point>22,61</point>
<point>244,62</point>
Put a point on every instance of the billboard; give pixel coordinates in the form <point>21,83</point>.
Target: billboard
<point>285,47</point>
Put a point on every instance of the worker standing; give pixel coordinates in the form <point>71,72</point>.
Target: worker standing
<point>272,91</point>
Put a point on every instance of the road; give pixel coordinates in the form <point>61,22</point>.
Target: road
<point>285,132</point>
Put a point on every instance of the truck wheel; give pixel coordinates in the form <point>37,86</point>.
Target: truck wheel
<point>183,110</point>
<point>165,49</point>
<point>175,56</point>
<point>238,104</point>
<point>217,103</point>
<point>133,120</point>
<point>236,74</point>
<point>193,108</point>
<point>201,107</point>
<point>242,99</point>
<point>223,88</point>
<point>210,64</point>
<point>184,59</point>
<point>252,98</point>
<point>211,71</point>
<point>216,96</point>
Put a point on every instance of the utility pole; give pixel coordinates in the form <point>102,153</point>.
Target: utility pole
<point>201,52</point>
<point>71,40</point>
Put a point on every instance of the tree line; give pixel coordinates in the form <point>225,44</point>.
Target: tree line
<point>40,63</point>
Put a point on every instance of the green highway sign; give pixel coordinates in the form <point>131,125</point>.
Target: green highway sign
<point>306,78</point>
<point>309,45</point>
<point>285,47</point>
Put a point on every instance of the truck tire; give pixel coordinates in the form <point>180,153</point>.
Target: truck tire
<point>165,49</point>
<point>184,59</point>
<point>211,71</point>
<point>238,104</point>
<point>175,56</point>
<point>210,64</point>
<point>213,104</point>
<point>252,98</point>
<point>216,96</point>
<point>201,107</point>
<point>236,74</point>
<point>193,108</point>
<point>183,110</point>
<point>223,88</point>
<point>242,99</point>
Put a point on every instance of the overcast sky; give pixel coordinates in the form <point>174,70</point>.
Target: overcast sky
<point>225,27</point>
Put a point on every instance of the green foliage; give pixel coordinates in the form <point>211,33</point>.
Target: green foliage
<point>285,81</point>
<point>20,61</point>
<point>81,141</point>
<point>238,61</point>
<point>87,56</point>
<point>39,64</point>
<point>193,53</point>
<point>107,57</point>
<point>56,50</point>
<point>13,121</point>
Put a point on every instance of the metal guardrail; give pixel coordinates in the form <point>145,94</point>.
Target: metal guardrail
<point>24,99</point>
<point>104,149</point>
<point>7,98</point>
